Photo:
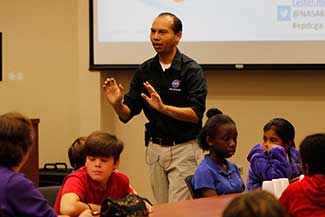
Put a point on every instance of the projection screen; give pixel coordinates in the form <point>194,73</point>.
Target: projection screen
<point>218,34</point>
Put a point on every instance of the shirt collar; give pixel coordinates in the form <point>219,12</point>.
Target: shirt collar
<point>176,63</point>
<point>95,185</point>
<point>229,171</point>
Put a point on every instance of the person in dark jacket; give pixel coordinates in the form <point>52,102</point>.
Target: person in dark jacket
<point>171,90</point>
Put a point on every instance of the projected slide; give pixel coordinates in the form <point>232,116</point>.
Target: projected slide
<point>214,20</point>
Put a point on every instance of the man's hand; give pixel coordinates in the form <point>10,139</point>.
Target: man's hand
<point>154,100</point>
<point>113,91</point>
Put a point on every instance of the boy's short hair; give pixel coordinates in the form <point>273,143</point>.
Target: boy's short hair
<point>16,138</point>
<point>312,152</point>
<point>77,154</point>
<point>102,144</point>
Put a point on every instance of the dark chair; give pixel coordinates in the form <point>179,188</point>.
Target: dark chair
<point>50,193</point>
<point>188,181</point>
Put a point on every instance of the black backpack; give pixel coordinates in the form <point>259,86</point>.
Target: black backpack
<point>130,206</point>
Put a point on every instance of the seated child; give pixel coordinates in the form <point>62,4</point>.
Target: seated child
<point>216,175</point>
<point>277,157</point>
<point>77,154</point>
<point>255,203</point>
<point>18,195</point>
<point>88,186</point>
<point>306,198</point>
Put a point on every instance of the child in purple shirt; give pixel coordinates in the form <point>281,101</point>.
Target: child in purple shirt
<point>276,157</point>
<point>18,195</point>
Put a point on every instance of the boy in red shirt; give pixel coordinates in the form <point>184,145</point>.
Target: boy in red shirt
<point>88,186</point>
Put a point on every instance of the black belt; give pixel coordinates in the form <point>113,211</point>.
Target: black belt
<point>167,141</point>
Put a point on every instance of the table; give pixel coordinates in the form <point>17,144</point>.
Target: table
<point>203,207</point>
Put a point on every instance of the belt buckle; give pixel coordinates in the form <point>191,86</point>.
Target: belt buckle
<point>161,142</point>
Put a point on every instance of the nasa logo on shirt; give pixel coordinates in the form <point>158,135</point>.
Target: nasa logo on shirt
<point>175,85</point>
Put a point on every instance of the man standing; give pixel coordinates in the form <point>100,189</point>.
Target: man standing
<point>171,90</point>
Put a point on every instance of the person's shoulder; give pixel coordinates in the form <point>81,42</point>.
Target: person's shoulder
<point>292,191</point>
<point>293,151</point>
<point>202,172</point>
<point>202,168</point>
<point>149,62</point>
<point>257,147</point>
<point>187,58</point>
<point>18,179</point>
<point>18,183</point>
<point>117,175</point>
<point>205,166</point>
<point>232,165</point>
<point>13,179</point>
<point>190,61</point>
<point>79,174</point>
<point>7,174</point>
<point>82,171</point>
<point>294,187</point>
<point>256,150</point>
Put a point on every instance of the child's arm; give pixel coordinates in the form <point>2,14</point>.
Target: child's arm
<point>72,206</point>
<point>132,190</point>
<point>271,164</point>
<point>206,192</point>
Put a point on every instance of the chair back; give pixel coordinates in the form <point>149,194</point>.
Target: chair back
<point>50,193</point>
<point>188,181</point>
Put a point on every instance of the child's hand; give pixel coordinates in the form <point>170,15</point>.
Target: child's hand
<point>267,146</point>
<point>86,213</point>
<point>149,207</point>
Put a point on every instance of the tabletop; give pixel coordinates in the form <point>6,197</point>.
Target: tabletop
<point>203,207</point>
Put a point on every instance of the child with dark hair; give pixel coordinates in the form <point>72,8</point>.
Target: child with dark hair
<point>88,186</point>
<point>276,157</point>
<point>306,198</point>
<point>18,195</point>
<point>257,203</point>
<point>77,154</point>
<point>216,175</point>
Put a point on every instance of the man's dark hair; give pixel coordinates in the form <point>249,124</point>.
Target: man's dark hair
<point>177,25</point>
<point>102,144</point>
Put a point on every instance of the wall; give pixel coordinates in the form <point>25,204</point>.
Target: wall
<point>47,41</point>
<point>45,76</point>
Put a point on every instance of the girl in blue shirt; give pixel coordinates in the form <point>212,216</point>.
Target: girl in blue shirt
<point>216,175</point>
